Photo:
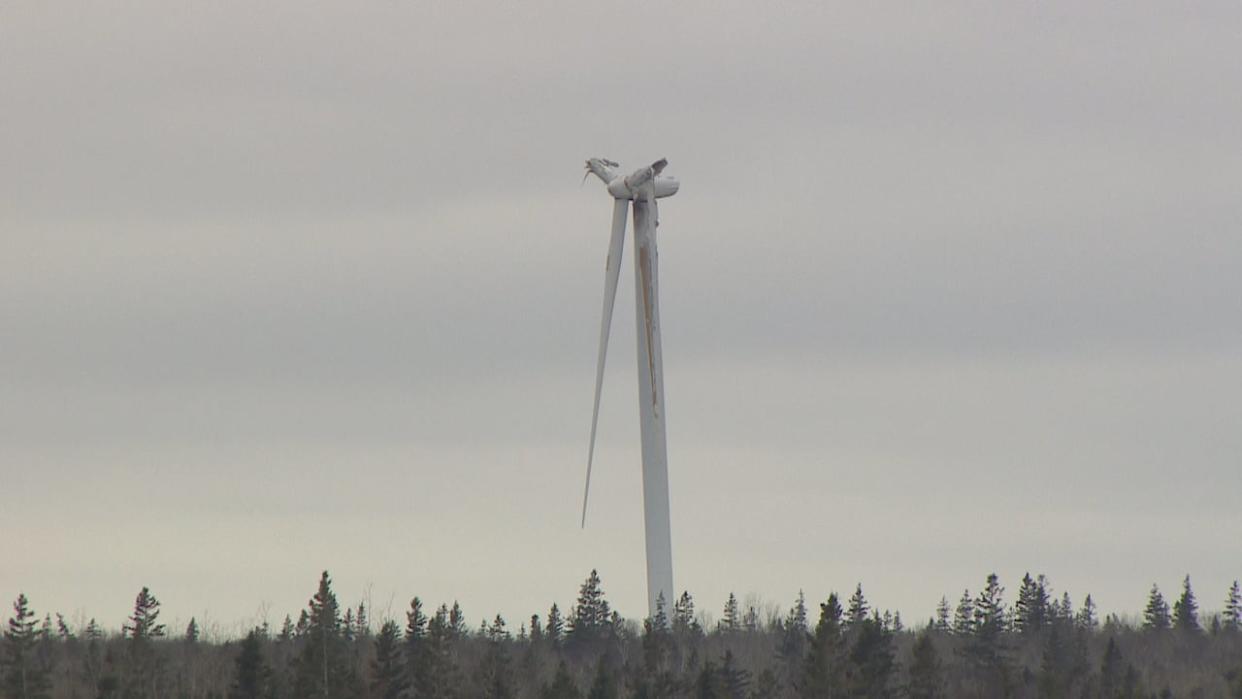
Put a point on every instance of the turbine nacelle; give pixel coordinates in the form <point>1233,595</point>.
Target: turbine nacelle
<point>635,185</point>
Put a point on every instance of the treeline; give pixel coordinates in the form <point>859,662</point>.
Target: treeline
<point>982,646</point>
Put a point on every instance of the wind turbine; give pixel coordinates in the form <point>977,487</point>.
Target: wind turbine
<point>643,187</point>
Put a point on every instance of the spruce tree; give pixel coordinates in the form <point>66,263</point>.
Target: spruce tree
<point>1232,616</point>
<point>387,670</point>
<point>1156,615</point>
<point>556,626</point>
<point>872,660</point>
<point>1086,616</point>
<point>251,674</point>
<point>794,633</point>
<point>437,676</point>
<point>732,621</point>
<point>25,678</point>
<point>824,672</point>
<point>684,621</point>
<point>964,615</point>
<point>856,612</point>
<point>141,629</point>
<point>986,649</point>
<point>1186,610</point>
<point>323,669</point>
<point>191,631</point>
<point>941,624</point>
<point>536,629</point>
<point>1031,610</point>
<point>457,621</point>
<point>591,615</point>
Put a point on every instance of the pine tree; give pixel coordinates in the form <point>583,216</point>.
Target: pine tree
<point>941,624</point>
<point>141,629</point>
<point>1232,616</point>
<point>872,660</point>
<point>964,615</point>
<point>556,626</point>
<point>536,629</point>
<point>191,631</point>
<point>457,621</point>
<point>657,680</point>
<point>25,678</point>
<point>1031,611</point>
<point>986,650</point>
<point>436,677</point>
<point>1112,672</point>
<point>62,628</point>
<point>323,669</point>
<point>794,636</point>
<point>387,671</point>
<point>251,676</point>
<point>591,615</point>
<point>731,622</point>
<point>856,612</point>
<point>1186,610</point>
<point>1086,619</point>
<point>495,677</point>
<point>926,674</point>
<point>1156,615</point>
<point>684,621</point>
<point>142,626</point>
<point>824,671</point>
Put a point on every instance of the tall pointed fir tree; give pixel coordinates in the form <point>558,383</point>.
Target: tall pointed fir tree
<point>1232,616</point>
<point>1031,611</point>
<point>824,673</point>
<point>24,676</point>
<point>1086,619</point>
<point>1156,615</point>
<point>590,619</point>
<point>986,649</point>
<point>1186,610</point>
<point>872,661</point>
<point>387,670</point>
<point>556,626</point>
<point>794,632</point>
<point>964,615</point>
<point>731,621</point>
<point>251,674</point>
<point>857,609</point>
<point>943,610</point>
<point>142,628</point>
<point>323,669</point>
<point>684,621</point>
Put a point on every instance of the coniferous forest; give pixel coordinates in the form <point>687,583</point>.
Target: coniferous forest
<point>991,643</point>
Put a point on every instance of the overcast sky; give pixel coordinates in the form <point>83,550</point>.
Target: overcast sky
<point>948,289</point>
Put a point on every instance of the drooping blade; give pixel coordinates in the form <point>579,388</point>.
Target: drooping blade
<point>612,272</point>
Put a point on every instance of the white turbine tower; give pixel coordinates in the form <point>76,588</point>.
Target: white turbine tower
<point>643,187</point>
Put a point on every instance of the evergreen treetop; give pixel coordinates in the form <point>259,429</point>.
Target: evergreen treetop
<point>1156,615</point>
<point>1186,610</point>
